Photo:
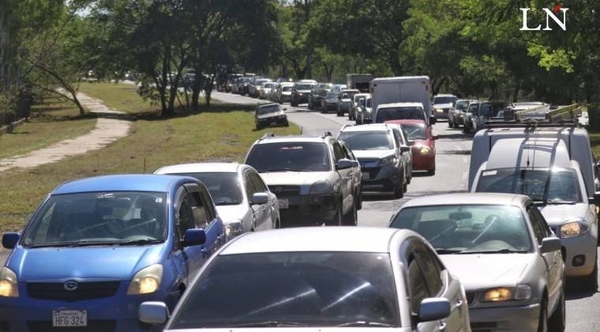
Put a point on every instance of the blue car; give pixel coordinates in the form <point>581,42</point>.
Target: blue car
<point>98,247</point>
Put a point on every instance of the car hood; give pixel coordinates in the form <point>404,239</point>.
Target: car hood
<point>372,154</point>
<point>480,271</point>
<point>556,214</point>
<point>231,213</point>
<point>446,105</point>
<point>293,329</point>
<point>304,91</point>
<point>293,178</point>
<point>269,115</point>
<point>105,262</point>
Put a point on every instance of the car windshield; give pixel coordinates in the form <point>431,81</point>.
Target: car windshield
<point>444,100</point>
<point>367,140</point>
<point>268,109</point>
<point>331,95</point>
<point>290,156</point>
<point>224,187</point>
<point>267,85</point>
<point>286,88</point>
<point>400,113</point>
<point>322,289</point>
<point>491,110</point>
<point>414,131</point>
<point>304,86</point>
<point>462,105</point>
<point>543,186</point>
<point>468,228</point>
<point>369,103</point>
<point>98,218</point>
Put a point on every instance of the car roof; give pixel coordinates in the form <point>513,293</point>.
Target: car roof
<point>267,105</point>
<point>366,127</point>
<point>292,138</point>
<point>303,239</point>
<point>118,182</point>
<point>200,167</point>
<point>408,121</point>
<point>536,152</point>
<point>444,95</point>
<point>390,105</point>
<point>479,198</point>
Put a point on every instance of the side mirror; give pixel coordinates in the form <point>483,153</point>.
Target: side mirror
<point>355,163</point>
<point>434,137</point>
<point>432,120</point>
<point>434,308</point>
<point>10,239</point>
<point>194,237</point>
<point>153,312</point>
<point>404,148</point>
<point>343,164</point>
<point>595,199</point>
<point>259,198</point>
<point>550,244</point>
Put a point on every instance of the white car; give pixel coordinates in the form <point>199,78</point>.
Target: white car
<point>320,279</point>
<point>243,200</point>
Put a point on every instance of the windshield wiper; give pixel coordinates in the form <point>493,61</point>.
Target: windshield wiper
<point>285,170</point>
<point>139,242</point>
<point>227,203</point>
<point>83,243</point>
<point>366,323</point>
<point>498,251</point>
<point>442,251</point>
<point>559,201</point>
<point>268,323</point>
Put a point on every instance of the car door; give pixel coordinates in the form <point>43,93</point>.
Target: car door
<point>551,259</point>
<point>418,291</point>
<point>404,156</point>
<point>356,172</point>
<point>345,178</point>
<point>262,212</point>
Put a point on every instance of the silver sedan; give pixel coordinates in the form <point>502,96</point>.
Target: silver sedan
<point>320,278</point>
<point>503,252</point>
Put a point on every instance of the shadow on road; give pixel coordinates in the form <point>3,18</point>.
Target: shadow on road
<point>574,291</point>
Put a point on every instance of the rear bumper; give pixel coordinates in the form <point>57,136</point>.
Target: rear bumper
<point>308,210</point>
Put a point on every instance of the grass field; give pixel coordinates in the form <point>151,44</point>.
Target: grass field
<point>222,133</point>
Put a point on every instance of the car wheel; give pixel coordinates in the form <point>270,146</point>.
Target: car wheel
<point>338,218</point>
<point>590,283</point>
<point>358,121</point>
<point>431,172</point>
<point>351,219</point>
<point>287,124</point>
<point>293,104</point>
<point>558,318</point>
<point>450,124</point>
<point>359,199</point>
<point>543,321</point>
<point>310,105</point>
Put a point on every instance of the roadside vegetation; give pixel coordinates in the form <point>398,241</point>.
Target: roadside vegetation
<point>219,133</point>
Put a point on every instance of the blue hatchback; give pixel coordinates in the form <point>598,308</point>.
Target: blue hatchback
<point>98,247</point>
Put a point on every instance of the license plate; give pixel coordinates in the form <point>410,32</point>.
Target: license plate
<point>283,203</point>
<point>69,318</point>
<point>365,175</point>
<point>273,123</point>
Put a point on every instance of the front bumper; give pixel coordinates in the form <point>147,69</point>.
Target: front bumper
<point>112,313</point>
<point>308,210</point>
<point>441,113</point>
<point>574,248</point>
<point>381,178</point>
<point>301,99</point>
<point>331,106</point>
<point>523,318</point>
<point>274,121</point>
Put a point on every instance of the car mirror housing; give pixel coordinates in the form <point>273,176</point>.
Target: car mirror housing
<point>434,308</point>
<point>10,239</point>
<point>432,120</point>
<point>194,237</point>
<point>259,198</point>
<point>404,148</point>
<point>434,137</point>
<point>410,142</point>
<point>344,164</point>
<point>153,312</point>
<point>550,244</point>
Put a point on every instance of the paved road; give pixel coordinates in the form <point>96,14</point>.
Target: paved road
<point>452,170</point>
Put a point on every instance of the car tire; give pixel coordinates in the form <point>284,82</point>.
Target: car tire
<point>310,104</point>
<point>431,172</point>
<point>543,320</point>
<point>286,124</point>
<point>358,121</point>
<point>293,104</point>
<point>450,124</point>
<point>590,283</point>
<point>351,218</point>
<point>557,322</point>
<point>359,200</point>
<point>338,218</point>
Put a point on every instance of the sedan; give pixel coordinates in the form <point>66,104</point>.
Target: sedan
<point>346,278</point>
<point>422,143</point>
<point>242,199</point>
<point>330,102</point>
<point>503,252</point>
<point>96,248</point>
<point>269,115</point>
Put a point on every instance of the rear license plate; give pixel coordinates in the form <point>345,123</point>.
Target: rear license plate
<point>273,123</point>
<point>365,175</point>
<point>283,203</point>
<point>69,318</point>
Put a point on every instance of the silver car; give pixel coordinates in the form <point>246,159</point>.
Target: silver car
<point>320,279</point>
<point>503,252</point>
<point>242,199</point>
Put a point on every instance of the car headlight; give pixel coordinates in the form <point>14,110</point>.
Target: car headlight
<point>573,227</point>
<point>320,187</point>
<point>424,149</point>
<point>146,281</point>
<point>390,160</point>
<point>439,110</point>
<point>501,294</point>
<point>234,229</point>
<point>8,283</point>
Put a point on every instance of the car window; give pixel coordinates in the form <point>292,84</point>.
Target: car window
<point>338,152</point>
<point>310,288</point>
<point>468,228</point>
<point>185,218</point>
<point>367,140</point>
<point>348,152</point>
<point>398,137</point>
<point>417,285</point>
<point>444,100</point>
<point>415,131</point>
<point>400,113</point>
<point>223,187</point>
<point>257,182</point>
<point>268,109</point>
<point>540,228</point>
<point>431,269</point>
<point>289,156</point>
<point>104,217</point>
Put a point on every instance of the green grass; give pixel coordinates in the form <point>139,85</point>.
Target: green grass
<point>119,96</point>
<point>220,133</point>
<point>52,120</point>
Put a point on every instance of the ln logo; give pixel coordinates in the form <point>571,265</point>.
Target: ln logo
<point>550,14</point>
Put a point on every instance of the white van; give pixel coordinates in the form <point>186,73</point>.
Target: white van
<point>542,169</point>
<point>402,89</point>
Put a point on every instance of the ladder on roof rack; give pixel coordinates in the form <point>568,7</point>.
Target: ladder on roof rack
<point>542,116</point>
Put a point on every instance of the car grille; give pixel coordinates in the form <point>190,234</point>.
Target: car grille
<point>84,291</point>
<point>285,191</point>
<point>92,326</point>
<point>484,327</point>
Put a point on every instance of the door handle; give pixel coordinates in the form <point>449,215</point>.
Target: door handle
<point>442,325</point>
<point>459,302</point>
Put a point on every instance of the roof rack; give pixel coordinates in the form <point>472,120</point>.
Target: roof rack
<point>267,135</point>
<point>325,134</point>
<point>541,116</point>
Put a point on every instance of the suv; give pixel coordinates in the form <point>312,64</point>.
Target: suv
<point>317,94</point>
<point>481,112</point>
<point>300,91</point>
<point>311,176</point>
<point>442,104</point>
<point>377,147</point>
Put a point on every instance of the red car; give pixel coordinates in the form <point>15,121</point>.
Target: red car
<point>423,148</point>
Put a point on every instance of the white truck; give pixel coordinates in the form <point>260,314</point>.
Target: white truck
<point>359,81</point>
<point>402,89</point>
